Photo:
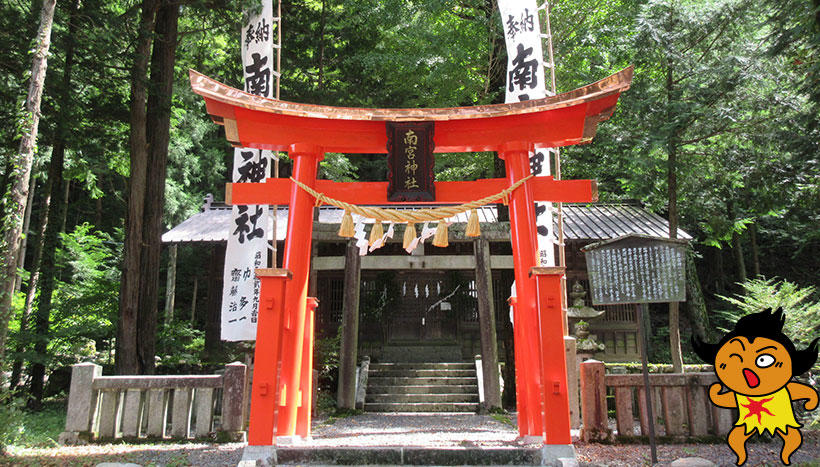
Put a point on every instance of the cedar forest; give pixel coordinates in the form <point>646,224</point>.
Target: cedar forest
<point>720,133</point>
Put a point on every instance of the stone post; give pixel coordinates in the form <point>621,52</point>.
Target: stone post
<point>593,401</point>
<point>82,403</point>
<point>233,391</point>
<point>572,381</point>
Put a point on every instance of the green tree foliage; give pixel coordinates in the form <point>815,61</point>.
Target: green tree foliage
<point>799,304</point>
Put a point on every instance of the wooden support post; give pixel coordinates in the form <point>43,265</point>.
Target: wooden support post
<point>486,320</point>
<point>593,401</point>
<point>193,300</point>
<point>348,352</point>
<point>213,308</point>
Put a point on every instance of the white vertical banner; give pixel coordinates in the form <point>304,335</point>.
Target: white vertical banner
<point>247,247</point>
<point>525,81</point>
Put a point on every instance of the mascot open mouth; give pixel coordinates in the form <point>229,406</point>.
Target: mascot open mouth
<point>751,378</point>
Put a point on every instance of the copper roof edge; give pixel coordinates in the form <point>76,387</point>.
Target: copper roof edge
<point>212,89</point>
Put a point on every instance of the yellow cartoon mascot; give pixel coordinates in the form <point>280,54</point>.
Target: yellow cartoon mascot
<point>757,362</point>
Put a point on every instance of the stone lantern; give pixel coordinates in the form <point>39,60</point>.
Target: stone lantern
<point>580,314</point>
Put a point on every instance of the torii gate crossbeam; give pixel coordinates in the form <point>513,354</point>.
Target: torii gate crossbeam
<point>280,401</point>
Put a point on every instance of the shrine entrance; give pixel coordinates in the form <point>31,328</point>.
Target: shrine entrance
<point>422,312</point>
<point>281,393</point>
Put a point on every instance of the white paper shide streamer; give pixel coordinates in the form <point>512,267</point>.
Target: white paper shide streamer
<point>525,81</point>
<point>247,247</point>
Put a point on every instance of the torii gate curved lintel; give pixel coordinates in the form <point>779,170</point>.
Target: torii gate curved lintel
<point>281,394</point>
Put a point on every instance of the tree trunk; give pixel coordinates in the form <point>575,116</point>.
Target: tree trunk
<point>47,271</point>
<point>696,303</point>
<point>755,249</point>
<point>737,250</point>
<point>158,131</point>
<point>21,258</point>
<point>126,357</point>
<point>672,182</point>
<point>31,289</point>
<point>322,22</point>
<point>15,199</point>
<point>171,284</point>
<point>56,211</point>
<point>720,279</point>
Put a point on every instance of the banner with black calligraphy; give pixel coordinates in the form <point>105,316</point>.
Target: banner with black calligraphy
<point>525,81</point>
<point>247,247</point>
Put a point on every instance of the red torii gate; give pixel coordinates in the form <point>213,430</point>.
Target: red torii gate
<point>281,393</point>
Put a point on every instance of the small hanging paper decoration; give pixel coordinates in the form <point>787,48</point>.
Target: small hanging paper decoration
<point>409,234</point>
<point>408,216</point>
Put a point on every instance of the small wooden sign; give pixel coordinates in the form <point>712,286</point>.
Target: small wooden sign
<point>410,161</point>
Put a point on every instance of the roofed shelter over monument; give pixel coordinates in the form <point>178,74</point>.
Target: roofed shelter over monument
<point>281,390</point>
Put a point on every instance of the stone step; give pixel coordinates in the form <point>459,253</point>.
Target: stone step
<point>432,398</point>
<point>429,373</point>
<point>418,381</point>
<point>425,389</point>
<point>399,455</point>
<point>423,366</point>
<point>421,353</point>
<point>421,407</point>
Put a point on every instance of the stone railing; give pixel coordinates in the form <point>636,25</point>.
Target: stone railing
<point>180,407</point>
<point>681,401</point>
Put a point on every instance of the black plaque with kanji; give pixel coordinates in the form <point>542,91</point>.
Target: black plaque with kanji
<point>410,161</point>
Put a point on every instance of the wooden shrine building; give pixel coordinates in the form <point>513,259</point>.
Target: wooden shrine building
<point>458,325</point>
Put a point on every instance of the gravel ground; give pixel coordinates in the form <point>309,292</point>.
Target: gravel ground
<point>443,430</point>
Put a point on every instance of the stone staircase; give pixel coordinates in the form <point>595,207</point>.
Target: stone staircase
<point>422,387</point>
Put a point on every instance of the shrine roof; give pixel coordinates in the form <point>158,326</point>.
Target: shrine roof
<point>581,222</point>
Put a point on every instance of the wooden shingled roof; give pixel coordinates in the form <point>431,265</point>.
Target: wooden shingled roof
<point>581,222</point>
